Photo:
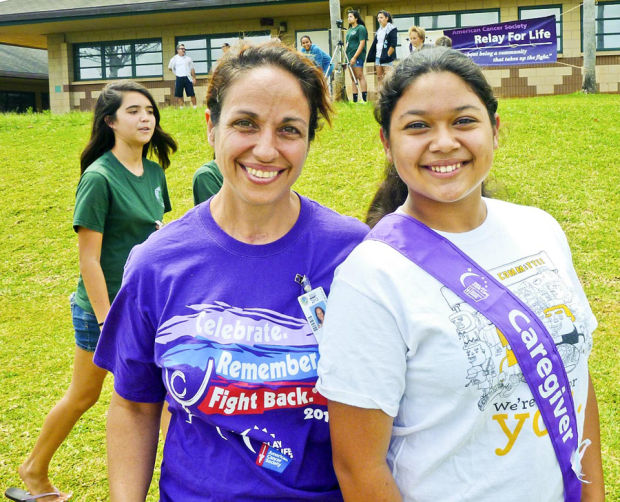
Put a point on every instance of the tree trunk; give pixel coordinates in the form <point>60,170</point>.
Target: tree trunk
<point>339,87</point>
<point>589,48</point>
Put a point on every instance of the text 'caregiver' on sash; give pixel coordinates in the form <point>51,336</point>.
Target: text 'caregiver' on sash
<point>530,341</point>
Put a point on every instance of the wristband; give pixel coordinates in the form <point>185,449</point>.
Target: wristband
<point>100,324</point>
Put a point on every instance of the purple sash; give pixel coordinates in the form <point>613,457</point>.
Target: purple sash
<point>530,341</point>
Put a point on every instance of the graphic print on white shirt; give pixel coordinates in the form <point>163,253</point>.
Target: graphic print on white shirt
<point>493,367</point>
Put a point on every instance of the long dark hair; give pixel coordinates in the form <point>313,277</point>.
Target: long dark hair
<point>392,192</point>
<point>246,57</point>
<point>356,15</point>
<point>102,136</point>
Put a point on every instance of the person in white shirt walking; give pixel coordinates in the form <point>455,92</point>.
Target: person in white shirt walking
<point>183,67</point>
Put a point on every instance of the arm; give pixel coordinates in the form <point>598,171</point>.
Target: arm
<point>591,463</point>
<point>193,76</point>
<point>325,61</point>
<point>89,243</point>
<point>360,439</point>
<point>132,434</point>
<point>370,58</point>
<point>392,42</point>
<point>359,50</point>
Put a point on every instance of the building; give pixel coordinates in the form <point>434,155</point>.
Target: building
<point>23,79</point>
<point>91,42</point>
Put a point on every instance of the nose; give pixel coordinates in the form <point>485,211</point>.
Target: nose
<point>444,140</point>
<point>265,149</point>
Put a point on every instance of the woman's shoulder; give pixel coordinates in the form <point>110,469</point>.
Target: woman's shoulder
<point>152,165</point>
<point>518,212</point>
<point>101,164</point>
<point>520,219</point>
<point>330,221</point>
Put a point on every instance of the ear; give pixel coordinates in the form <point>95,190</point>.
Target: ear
<point>210,128</point>
<point>109,122</point>
<point>386,145</point>
<point>496,132</point>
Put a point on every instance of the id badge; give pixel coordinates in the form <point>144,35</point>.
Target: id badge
<point>314,305</point>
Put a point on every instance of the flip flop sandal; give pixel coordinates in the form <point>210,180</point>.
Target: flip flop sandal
<point>20,495</point>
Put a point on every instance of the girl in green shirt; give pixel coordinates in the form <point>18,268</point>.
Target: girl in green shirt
<point>121,199</point>
<point>357,37</point>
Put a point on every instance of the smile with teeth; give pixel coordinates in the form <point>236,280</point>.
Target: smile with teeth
<point>261,174</point>
<point>445,169</point>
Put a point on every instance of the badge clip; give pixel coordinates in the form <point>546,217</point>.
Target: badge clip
<point>304,282</point>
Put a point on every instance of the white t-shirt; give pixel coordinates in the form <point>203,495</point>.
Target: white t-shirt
<point>466,426</point>
<point>182,66</point>
<point>381,33</point>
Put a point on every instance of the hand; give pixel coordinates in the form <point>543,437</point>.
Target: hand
<point>194,80</point>
<point>352,61</point>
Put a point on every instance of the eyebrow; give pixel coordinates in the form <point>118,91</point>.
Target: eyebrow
<point>148,107</point>
<point>255,116</point>
<point>424,112</point>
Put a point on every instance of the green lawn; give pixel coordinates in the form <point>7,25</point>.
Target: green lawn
<point>558,153</point>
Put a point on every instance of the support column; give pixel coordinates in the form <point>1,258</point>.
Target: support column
<point>58,54</point>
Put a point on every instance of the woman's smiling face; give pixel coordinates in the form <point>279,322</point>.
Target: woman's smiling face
<point>441,140</point>
<point>261,139</point>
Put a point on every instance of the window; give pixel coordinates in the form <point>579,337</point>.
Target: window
<point>607,26</point>
<point>438,22</point>
<point>17,101</point>
<point>205,50</point>
<point>111,60</point>
<point>544,11</point>
<point>319,38</point>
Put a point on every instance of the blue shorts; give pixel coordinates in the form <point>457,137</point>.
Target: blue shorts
<point>86,327</point>
<point>377,63</point>
<point>183,83</point>
<point>359,63</point>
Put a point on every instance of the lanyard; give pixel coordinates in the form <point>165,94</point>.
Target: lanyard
<point>530,341</point>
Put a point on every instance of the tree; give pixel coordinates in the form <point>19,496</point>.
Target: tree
<point>589,48</point>
<point>116,57</point>
<point>339,89</point>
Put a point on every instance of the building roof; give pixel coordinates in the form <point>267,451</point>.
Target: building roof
<point>22,62</point>
<point>36,10</point>
<point>28,23</point>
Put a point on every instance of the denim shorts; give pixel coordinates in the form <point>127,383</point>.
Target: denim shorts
<point>359,63</point>
<point>378,63</point>
<point>86,327</point>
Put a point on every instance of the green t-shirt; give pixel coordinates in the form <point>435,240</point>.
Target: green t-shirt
<point>124,208</point>
<point>354,37</point>
<point>207,182</point>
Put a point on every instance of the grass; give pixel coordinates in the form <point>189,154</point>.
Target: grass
<point>558,153</point>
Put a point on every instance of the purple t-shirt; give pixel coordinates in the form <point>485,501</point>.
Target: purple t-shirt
<point>214,326</point>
